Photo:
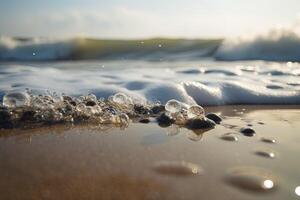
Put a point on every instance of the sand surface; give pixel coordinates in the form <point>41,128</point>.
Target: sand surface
<point>146,161</point>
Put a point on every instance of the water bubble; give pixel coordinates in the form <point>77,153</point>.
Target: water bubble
<point>121,98</point>
<point>91,97</point>
<point>81,107</point>
<point>173,106</point>
<point>16,99</point>
<point>251,179</point>
<point>195,112</point>
<point>179,118</point>
<point>177,168</point>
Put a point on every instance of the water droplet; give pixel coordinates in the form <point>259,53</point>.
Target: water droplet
<point>81,107</point>
<point>251,179</point>
<point>265,153</point>
<point>268,140</point>
<point>173,106</point>
<point>160,45</point>
<point>177,168</point>
<point>195,111</point>
<point>229,137</point>
<point>297,190</point>
<point>16,99</point>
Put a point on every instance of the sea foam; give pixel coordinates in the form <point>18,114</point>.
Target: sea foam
<point>259,83</point>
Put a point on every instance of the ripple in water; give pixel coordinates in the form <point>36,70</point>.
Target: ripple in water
<point>174,168</point>
<point>251,179</point>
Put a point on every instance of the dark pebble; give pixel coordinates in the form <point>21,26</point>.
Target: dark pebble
<point>158,109</point>
<point>144,121</point>
<point>67,98</point>
<point>164,120</point>
<point>5,119</point>
<point>73,103</point>
<point>140,109</point>
<point>90,103</point>
<point>247,132</point>
<point>200,124</point>
<point>28,115</point>
<point>214,117</point>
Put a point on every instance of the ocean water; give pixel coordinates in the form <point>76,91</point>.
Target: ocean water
<point>205,81</point>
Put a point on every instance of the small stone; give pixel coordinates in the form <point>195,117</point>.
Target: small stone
<point>247,131</point>
<point>140,109</point>
<point>28,115</point>
<point>229,137</point>
<point>165,120</point>
<point>214,117</point>
<point>144,121</point>
<point>158,109</point>
<point>5,119</point>
<point>268,140</point>
<point>73,103</point>
<point>200,124</point>
<point>90,103</point>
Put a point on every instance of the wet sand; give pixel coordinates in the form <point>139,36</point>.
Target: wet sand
<point>146,161</point>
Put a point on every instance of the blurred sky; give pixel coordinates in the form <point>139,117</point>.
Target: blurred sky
<point>144,18</point>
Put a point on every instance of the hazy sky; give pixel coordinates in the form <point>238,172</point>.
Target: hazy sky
<point>148,18</point>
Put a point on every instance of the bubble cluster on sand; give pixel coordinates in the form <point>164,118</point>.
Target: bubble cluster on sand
<point>25,109</point>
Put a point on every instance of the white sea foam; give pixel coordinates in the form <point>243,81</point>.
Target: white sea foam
<point>212,84</point>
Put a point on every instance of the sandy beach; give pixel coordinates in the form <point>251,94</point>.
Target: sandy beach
<point>146,161</point>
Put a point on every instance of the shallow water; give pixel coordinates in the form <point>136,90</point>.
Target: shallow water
<point>146,161</point>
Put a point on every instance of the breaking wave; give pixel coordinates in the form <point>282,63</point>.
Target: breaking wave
<point>277,45</point>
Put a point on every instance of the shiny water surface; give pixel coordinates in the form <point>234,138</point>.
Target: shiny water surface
<point>146,161</point>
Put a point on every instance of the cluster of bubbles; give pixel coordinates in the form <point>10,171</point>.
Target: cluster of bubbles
<point>25,108</point>
<point>182,112</point>
<point>21,109</point>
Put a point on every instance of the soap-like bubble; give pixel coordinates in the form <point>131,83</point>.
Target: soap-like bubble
<point>92,97</point>
<point>122,98</point>
<point>195,111</point>
<point>173,106</point>
<point>16,99</point>
<point>81,107</point>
